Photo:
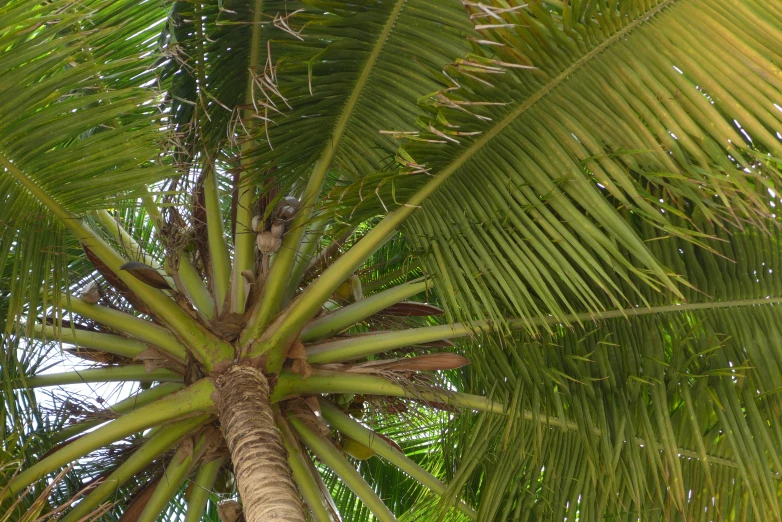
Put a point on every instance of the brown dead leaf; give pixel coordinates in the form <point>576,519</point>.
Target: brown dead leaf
<point>230,511</point>
<point>389,440</point>
<point>153,360</point>
<point>303,410</point>
<point>95,355</point>
<point>146,274</point>
<point>228,326</point>
<point>298,354</point>
<point>139,502</point>
<point>114,280</point>
<point>445,343</point>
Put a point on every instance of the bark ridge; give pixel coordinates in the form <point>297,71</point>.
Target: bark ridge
<point>259,457</point>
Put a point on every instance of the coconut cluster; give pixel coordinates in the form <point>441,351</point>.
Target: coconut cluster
<point>269,237</point>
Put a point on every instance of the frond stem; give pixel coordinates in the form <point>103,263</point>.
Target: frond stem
<point>193,399</point>
<point>279,276</point>
<point>302,474</point>
<point>347,316</point>
<point>113,344</point>
<point>327,381</point>
<point>132,247</point>
<point>332,458</point>
<point>202,487</point>
<point>173,477</point>
<point>207,348</point>
<point>306,254</point>
<point>131,403</point>
<point>220,261</point>
<point>363,345</point>
<point>191,280</point>
<point>128,324</point>
<point>131,373</point>
<point>244,239</point>
<point>155,446</point>
<point>345,424</point>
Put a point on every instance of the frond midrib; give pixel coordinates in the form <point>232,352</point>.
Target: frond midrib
<point>366,72</point>
<point>552,84</point>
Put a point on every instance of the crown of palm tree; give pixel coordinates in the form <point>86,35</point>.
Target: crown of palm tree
<point>290,226</point>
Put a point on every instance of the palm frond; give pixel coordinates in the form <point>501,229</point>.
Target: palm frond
<point>578,177</point>
<point>374,61</point>
<point>73,121</point>
<point>662,413</point>
<point>566,121</point>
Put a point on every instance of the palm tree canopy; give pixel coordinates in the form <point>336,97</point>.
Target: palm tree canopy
<point>588,187</point>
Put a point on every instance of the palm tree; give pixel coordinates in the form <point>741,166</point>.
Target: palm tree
<point>292,224</point>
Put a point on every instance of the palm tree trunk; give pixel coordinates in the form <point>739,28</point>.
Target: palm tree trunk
<point>258,453</point>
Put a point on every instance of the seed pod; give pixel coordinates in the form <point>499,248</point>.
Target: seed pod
<point>267,243</point>
<point>91,294</point>
<point>257,223</point>
<point>278,228</point>
<point>249,276</point>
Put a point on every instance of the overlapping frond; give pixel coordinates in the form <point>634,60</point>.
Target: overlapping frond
<point>666,416</point>
<point>563,114</point>
<point>72,123</point>
<point>367,65</point>
<point>416,433</point>
<point>591,163</point>
<point>324,72</point>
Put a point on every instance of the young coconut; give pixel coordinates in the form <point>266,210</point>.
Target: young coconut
<point>357,450</point>
<point>267,244</point>
<point>285,211</point>
<point>257,224</point>
<point>287,207</point>
<point>351,288</point>
<point>278,228</point>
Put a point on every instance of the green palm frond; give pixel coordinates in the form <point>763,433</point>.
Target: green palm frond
<point>26,431</point>
<point>72,122</point>
<point>567,120</point>
<point>368,61</point>
<point>661,412</point>
<point>415,432</point>
<point>261,96</point>
<point>590,190</point>
<point>375,63</point>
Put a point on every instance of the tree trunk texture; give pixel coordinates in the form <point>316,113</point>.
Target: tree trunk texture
<point>260,461</point>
